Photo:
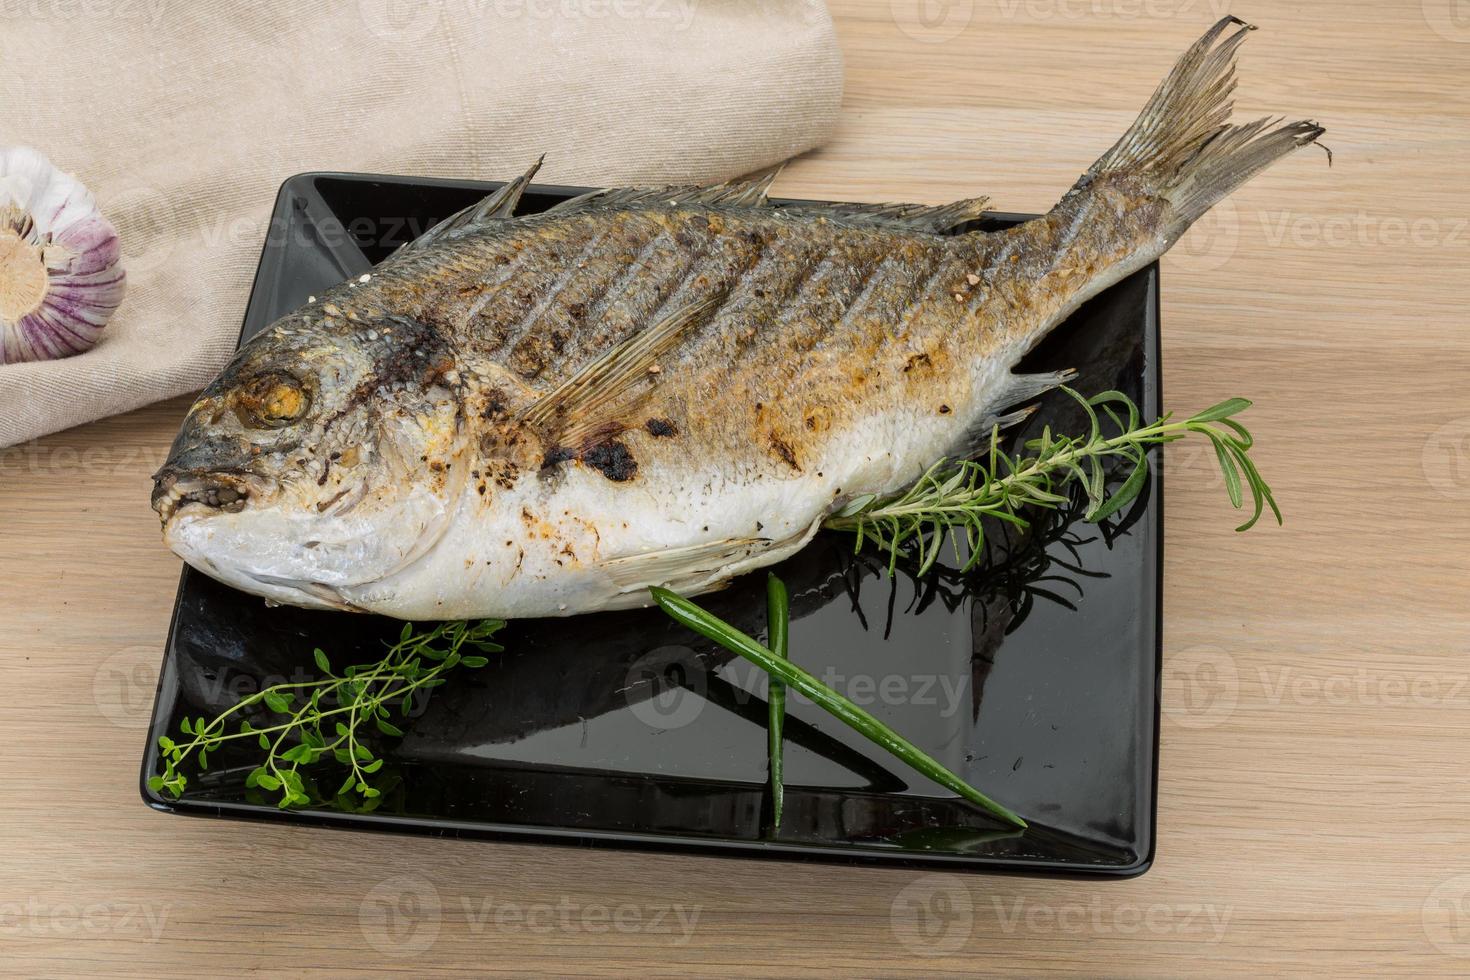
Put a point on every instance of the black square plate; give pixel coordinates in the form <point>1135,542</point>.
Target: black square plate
<point>1036,678</point>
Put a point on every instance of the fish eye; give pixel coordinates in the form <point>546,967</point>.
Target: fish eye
<point>272,400</point>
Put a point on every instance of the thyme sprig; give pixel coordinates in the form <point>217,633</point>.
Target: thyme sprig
<point>963,494</point>
<point>317,719</point>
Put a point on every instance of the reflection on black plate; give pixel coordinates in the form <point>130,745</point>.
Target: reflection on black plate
<point>1033,675</point>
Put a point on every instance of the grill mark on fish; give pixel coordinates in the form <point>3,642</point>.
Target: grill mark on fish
<point>525,323</point>
<point>721,263</point>
<point>629,275</point>
<point>739,309</point>
<point>872,282</point>
<point>489,283</point>
<point>754,306</point>
<point>745,257</point>
<point>809,315</point>
<point>547,329</point>
<point>533,260</point>
<point>574,273</point>
<point>634,309</point>
<point>892,322</point>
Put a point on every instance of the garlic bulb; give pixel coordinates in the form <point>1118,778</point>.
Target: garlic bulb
<point>59,274</point>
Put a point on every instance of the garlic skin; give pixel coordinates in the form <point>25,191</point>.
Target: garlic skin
<point>60,276</point>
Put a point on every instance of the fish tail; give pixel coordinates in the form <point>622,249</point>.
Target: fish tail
<point>1182,147</point>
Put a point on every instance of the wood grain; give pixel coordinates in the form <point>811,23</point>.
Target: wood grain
<point>1314,801</point>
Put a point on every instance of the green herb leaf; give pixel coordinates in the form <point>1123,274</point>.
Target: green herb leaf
<point>732,639</point>
<point>961,495</point>
<point>778,629</point>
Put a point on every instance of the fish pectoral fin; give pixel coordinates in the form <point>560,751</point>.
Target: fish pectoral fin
<point>1014,389</point>
<point>678,568</point>
<point>596,401</point>
<point>748,191</point>
<point>496,207</point>
<point>932,218</point>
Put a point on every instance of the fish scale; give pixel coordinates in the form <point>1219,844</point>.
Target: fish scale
<point>547,415</point>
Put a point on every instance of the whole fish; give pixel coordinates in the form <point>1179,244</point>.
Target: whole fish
<point>545,415</point>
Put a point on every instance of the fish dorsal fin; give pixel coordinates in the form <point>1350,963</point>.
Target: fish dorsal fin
<point>594,403</point>
<point>747,192</point>
<point>907,217</point>
<point>496,207</point>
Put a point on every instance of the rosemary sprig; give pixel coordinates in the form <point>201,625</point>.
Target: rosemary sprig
<point>962,494</point>
<point>326,717</point>
<point>708,625</point>
<point>778,629</point>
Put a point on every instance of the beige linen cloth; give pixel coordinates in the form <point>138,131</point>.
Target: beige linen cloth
<point>184,117</point>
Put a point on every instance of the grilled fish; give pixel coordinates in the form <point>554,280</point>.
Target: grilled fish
<point>544,415</point>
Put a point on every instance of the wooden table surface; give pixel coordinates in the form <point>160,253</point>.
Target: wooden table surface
<point>1314,807</point>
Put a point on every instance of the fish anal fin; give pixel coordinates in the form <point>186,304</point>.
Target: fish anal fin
<point>595,402</point>
<point>1013,389</point>
<point>681,567</point>
<point>496,207</point>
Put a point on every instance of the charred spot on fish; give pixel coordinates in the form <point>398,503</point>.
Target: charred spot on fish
<point>322,507</point>
<point>914,361</point>
<point>944,410</point>
<point>494,406</point>
<point>555,455</point>
<point>661,428</point>
<point>783,449</point>
<point>528,359</point>
<point>613,460</point>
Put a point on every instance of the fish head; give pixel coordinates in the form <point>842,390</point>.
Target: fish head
<point>318,460</point>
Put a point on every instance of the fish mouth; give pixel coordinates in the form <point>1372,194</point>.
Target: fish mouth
<point>218,492</point>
